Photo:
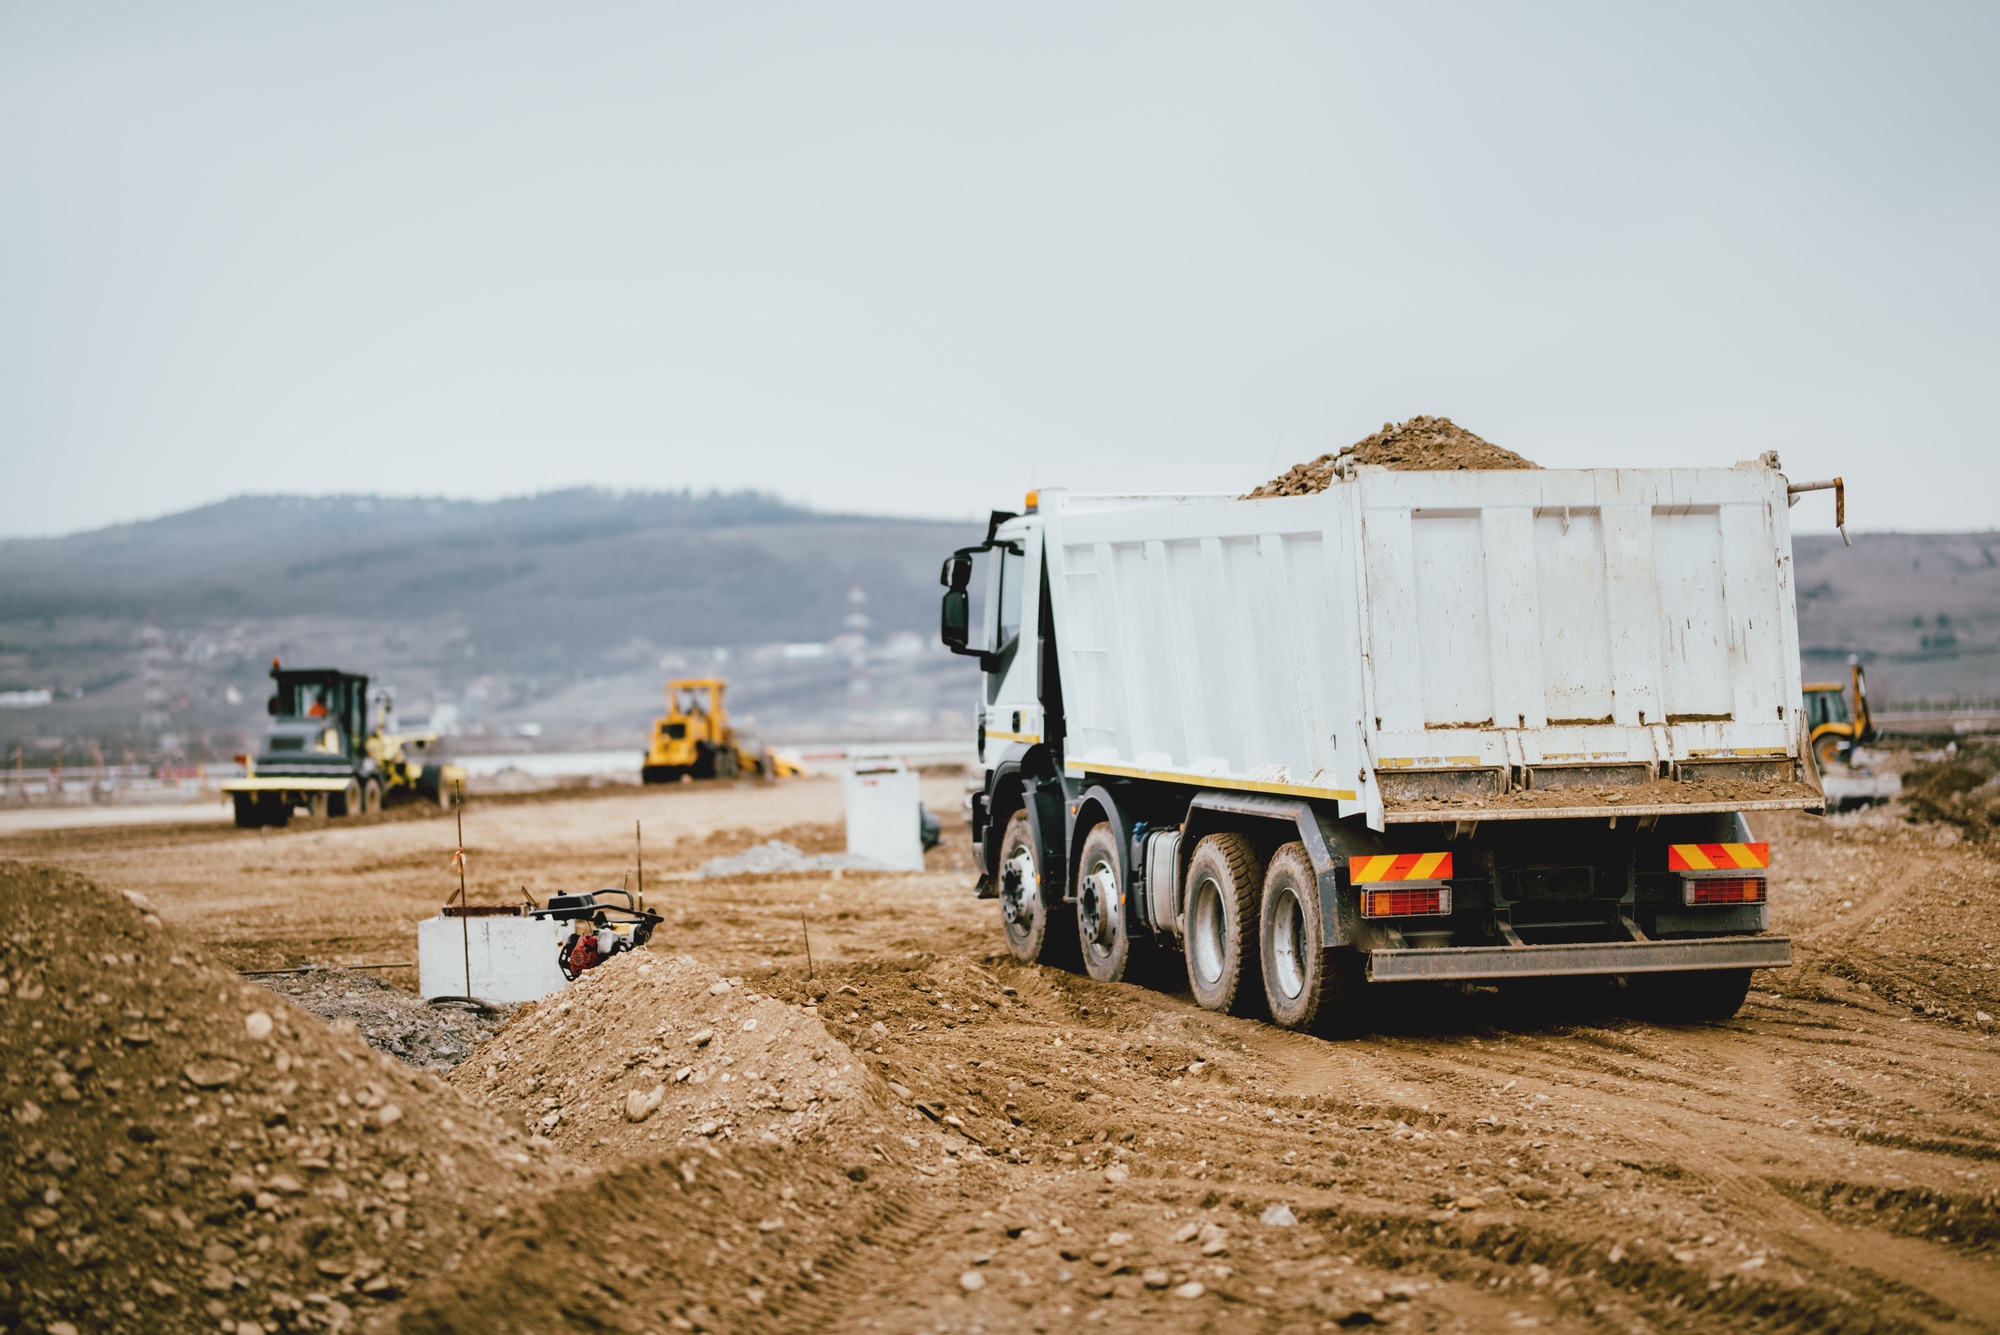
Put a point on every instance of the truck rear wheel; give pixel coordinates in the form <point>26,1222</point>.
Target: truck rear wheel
<point>1305,986</point>
<point>1102,928</point>
<point>274,810</point>
<point>1225,882</point>
<point>371,797</point>
<point>1701,996</point>
<point>247,816</point>
<point>1032,934</point>
<point>346,802</point>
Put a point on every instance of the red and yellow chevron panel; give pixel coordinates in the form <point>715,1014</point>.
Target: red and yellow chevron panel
<point>1399,867</point>
<point>1718,857</point>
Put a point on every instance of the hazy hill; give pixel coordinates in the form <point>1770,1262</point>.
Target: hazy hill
<point>1921,609</point>
<point>496,606</point>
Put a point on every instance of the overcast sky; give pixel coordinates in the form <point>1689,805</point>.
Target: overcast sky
<point>916,258</point>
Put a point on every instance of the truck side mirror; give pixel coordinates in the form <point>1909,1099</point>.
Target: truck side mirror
<point>957,572</point>
<point>271,706</point>
<point>955,618</point>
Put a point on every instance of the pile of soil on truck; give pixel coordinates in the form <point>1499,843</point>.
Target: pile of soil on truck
<point>1697,790</point>
<point>188,1151</point>
<point>1422,444</point>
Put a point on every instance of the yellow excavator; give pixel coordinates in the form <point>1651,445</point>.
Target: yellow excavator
<point>694,738</point>
<point>1835,729</point>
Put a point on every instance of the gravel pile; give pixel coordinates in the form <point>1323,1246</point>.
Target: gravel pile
<point>1420,444</point>
<point>777,857</point>
<point>657,1050</point>
<point>389,1018</point>
<point>183,1150</point>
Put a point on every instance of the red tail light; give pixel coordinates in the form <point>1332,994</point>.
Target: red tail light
<point>1406,903</point>
<point>1724,890</point>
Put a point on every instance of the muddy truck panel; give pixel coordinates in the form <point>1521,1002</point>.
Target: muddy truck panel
<point>1422,726</point>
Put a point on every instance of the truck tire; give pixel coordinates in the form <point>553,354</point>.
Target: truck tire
<point>273,810</point>
<point>704,761</point>
<point>1103,928</point>
<point>371,797</point>
<point>1303,985</point>
<point>446,798</point>
<point>1033,927</point>
<point>1700,996</point>
<point>247,815</point>
<point>347,802</point>
<point>1225,884</point>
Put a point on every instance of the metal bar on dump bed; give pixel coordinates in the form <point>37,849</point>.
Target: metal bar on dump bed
<point>1727,952</point>
<point>1421,816</point>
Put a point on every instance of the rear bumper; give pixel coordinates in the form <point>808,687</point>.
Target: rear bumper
<point>1724,952</point>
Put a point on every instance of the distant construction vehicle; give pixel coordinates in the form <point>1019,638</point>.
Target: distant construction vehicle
<point>319,756</point>
<point>695,740</point>
<point>1836,729</point>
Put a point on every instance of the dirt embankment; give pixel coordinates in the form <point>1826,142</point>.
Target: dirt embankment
<point>1421,444</point>
<point>187,1151</point>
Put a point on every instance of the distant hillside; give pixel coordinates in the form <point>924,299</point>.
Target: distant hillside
<point>1921,609</point>
<point>495,607</point>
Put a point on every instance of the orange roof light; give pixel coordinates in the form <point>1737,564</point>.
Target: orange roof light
<point>1033,501</point>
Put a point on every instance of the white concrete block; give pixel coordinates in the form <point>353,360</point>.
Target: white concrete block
<point>512,959</point>
<point>882,816</point>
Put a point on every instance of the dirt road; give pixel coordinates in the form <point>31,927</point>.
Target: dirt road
<point>1027,1150</point>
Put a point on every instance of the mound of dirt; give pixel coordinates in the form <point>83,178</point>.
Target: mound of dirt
<point>1421,444</point>
<point>657,1049</point>
<point>187,1151</point>
<point>391,1019</point>
<point>1960,789</point>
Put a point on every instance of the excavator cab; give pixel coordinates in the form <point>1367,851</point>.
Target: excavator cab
<point>1836,730</point>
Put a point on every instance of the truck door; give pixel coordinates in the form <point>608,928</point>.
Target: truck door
<point>1013,706</point>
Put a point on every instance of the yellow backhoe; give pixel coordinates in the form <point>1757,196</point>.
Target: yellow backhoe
<point>1835,729</point>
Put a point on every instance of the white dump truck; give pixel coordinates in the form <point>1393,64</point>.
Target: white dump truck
<point>1456,726</point>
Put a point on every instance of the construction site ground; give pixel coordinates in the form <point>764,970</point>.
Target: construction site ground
<point>925,1136</point>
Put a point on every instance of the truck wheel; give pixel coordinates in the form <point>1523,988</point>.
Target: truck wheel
<point>346,802</point>
<point>446,797</point>
<point>1102,926</point>
<point>274,811</point>
<point>1224,892</point>
<point>704,761</point>
<point>371,797</point>
<point>1299,981</point>
<point>1024,909</point>
<point>247,817</point>
<point>1701,996</point>
<point>1827,750</point>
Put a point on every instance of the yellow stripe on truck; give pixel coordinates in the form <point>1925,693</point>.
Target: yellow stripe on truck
<point>1696,858</point>
<point>1427,866</point>
<point>1363,870</point>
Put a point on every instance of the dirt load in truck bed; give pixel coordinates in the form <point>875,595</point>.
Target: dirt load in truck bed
<point>1691,792</point>
<point>1422,444</point>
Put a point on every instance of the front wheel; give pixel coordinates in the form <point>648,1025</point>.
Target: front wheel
<point>371,797</point>
<point>248,817</point>
<point>1102,927</point>
<point>1024,909</point>
<point>1224,892</point>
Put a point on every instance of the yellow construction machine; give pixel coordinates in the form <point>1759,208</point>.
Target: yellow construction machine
<point>694,738</point>
<point>1835,729</point>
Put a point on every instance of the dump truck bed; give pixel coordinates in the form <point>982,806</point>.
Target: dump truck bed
<point>1420,646</point>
